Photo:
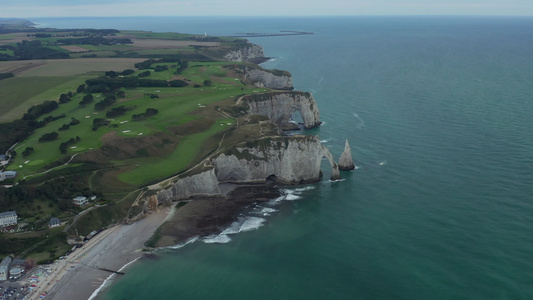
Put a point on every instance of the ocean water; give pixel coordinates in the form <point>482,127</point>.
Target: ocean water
<point>439,115</point>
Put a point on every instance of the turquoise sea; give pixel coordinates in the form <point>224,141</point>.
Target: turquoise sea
<point>439,115</point>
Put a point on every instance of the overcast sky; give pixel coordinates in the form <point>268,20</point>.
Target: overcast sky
<point>95,8</point>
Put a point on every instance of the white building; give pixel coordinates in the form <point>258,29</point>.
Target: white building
<point>7,175</point>
<point>80,201</point>
<point>8,218</point>
<point>4,268</point>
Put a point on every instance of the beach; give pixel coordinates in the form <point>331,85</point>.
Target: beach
<point>78,276</point>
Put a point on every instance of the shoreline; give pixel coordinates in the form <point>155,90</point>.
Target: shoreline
<point>78,276</point>
<point>119,247</point>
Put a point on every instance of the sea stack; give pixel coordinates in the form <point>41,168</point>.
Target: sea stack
<point>346,161</point>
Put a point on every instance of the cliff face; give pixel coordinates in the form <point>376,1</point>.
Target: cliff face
<point>269,79</point>
<point>245,53</point>
<point>205,183</point>
<point>280,106</point>
<point>289,161</point>
<point>346,161</point>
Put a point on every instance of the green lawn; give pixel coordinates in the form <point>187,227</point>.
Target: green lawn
<point>150,169</point>
<point>20,93</point>
<point>174,106</point>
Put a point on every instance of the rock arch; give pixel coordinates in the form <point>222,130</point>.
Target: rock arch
<point>280,106</point>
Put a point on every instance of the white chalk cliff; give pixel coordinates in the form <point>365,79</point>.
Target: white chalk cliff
<point>246,52</point>
<point>287,160</point>
<point>346,161</point>
<point>279,107</point>
<point>272,79</point>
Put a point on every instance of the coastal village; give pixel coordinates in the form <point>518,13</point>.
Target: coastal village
<point>23,277</point>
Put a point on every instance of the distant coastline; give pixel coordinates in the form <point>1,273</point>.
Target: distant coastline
<point>281,33</point>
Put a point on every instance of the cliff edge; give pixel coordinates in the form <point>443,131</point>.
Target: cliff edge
<point>280,106</point>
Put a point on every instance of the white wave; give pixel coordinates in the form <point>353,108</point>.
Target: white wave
<point>303,189</point>
<point>361,122</point>
<point>325,141</point>
<point>232,229</point>
<point>252,223</point>
<point>337,180</point>
<point>268,210</point>
<point>383,162</point>
<point>219,239</point>
<point>292,197</point>
<point>178,246</point>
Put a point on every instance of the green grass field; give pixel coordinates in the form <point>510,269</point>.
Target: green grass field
<point>20,93</point>
<point>175,106</point>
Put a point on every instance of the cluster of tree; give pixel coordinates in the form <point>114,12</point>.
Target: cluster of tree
<point>57,191</point>
<point>65,98</point>
<point>86,99</point>
<point>106,84</point>
<point>6,75</point>
<point>144,74</point>
<point>147,64</point>
<point>108,101</point>
<point>117,111</point>
<point>94,40</point>
<point>33,50</point>
<point>18,130</point>
<point>38,110</point>
<point>177,83</point>
<point>42,35</point>
<point>50,136</point>
<point>99,122</point>
<point>114,74</point>
<point>152,96</point>
<point>15,131</point>
<point>27,151</point>
<point>49,119</point>
<point>148,113</point>
<point>160,68</point>
<point>183,65</point>
<point>63,147</point>
<point>66,126</point>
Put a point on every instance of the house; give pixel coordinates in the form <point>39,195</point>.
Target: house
<point>4,268</point>
<point>54,222</point>
<point>7,175</point>
<point>3,157</point>
<point>80,201</point>
<point>8,218</point>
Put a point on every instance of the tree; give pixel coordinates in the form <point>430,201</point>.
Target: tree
<point>86,99</point>
<point>208,83</point>
<point>27,151</point>
<point>81,88</point>
<point>50,136</point>
<point>64,98</point>
<point>144,74</point>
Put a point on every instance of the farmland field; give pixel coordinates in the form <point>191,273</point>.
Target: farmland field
<point>20,93</point>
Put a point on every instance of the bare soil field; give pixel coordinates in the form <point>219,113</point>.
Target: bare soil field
<point>75,49</point>
<point>11,38</point>
<point>162,44</point>
<point>67,67</point>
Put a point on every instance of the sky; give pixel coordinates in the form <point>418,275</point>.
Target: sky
<point>106,8</point>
